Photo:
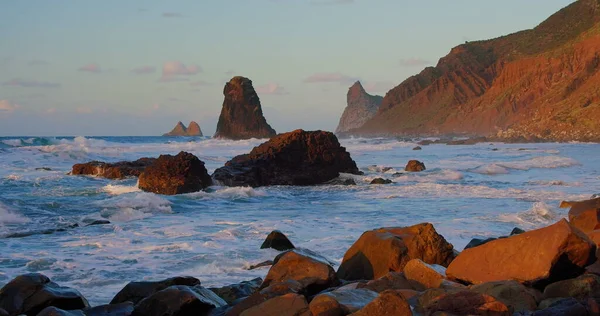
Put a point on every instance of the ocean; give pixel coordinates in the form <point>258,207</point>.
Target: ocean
<point>482,190</point>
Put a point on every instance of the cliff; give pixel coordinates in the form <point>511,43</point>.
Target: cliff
<point>540,83</point>
<point>180,130</point>
<point>361,107</point>
<point>241,116</point>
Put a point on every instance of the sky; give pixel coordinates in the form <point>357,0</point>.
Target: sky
<point>129,68</point>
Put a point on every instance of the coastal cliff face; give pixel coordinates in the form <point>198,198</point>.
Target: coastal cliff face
<point>180,130</point>
<point>541,83</point>
<point>361,107</point>
<point>242,116</point>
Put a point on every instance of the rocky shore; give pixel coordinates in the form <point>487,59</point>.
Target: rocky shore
<point>388,271</point>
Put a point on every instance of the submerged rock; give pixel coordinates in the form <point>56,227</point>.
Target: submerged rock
<point>242,116</point>
<point>117,170</point>
<point>381,181</point>
<point>294,158</point>
<point>170,175</point>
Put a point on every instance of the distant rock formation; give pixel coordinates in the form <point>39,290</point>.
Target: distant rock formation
<point>180,130</point>
<point>361,108</point>
<point>242,116</point>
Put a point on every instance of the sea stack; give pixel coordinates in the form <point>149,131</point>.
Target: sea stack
<point>361,108</point>
<point>180,130</point>
<point>241,115</point>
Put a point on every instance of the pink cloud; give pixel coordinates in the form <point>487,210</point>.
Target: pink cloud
<point>330,77</point>
<point>414,62</point>
<point>93,68</point>
<point>174,70</point>
<point>7,106</point>
<point>271,89</point>
<point>144,70</point>
<point>30,84</point>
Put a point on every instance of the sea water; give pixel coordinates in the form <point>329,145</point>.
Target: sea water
<point>482,190</point>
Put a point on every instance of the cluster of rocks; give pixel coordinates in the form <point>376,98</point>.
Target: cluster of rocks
<point>388,271</point>
<point>181,130</point>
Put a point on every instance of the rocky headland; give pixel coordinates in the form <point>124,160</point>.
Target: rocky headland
<point>361,107</point>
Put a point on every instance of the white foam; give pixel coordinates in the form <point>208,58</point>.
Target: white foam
<point>554,183</point>
<point>114,189</point>
<point>491,169</point>
<point>539,213</point>
<point>433,176</point>
<point>545,162</point>
<point>229,193</point>
<point>12,142</point>
<point>131,207</point>
<point>9,217</point>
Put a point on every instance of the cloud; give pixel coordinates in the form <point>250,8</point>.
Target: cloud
<point>200,83</point>
<point>378,86</point>
<point>330,2</point>
<point>7,107</point>
<point>172,15</point>
<point>271,89</point>
<point>51,111</point>
<point>37,62</point>
<point>84,110</point>
<point>31,84</point>
<point>330,77</point>
<point>414,62</point>
<point>174,70</point>
<point>144,70</point>
<point>92,68</point>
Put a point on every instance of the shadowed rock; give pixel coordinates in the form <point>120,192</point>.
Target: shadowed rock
<point>123,309</point>
<point>117,170</point>
<point>467,303</point>
<point>278,241</point>
<point>233,292</point>
<point>137,291</point>
<point>179,300</point>
<point>170,175</point>
<point>389,302</point>
<point>414,166</point>
<point>341,302</point>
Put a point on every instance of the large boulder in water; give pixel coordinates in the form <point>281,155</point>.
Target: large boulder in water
<point>117,170</point>
<point>380,251</point>
<point>294,158</point>
<point>361,107</point>
<point>536,257</point>
<point>137,291</point>
<point>31,293</point>
<point>242,116</point>
<point>170,175</point>
<point>277,240</point>
<point>414,166</point>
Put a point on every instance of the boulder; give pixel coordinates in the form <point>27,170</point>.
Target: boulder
<point>478,242</point>
<point>467,303</point>
<point>549,254</point>
<point>241,116</point>
<point>273,290</point>
<point>414,166</point>
<point>381,181</point>
<point>179,300</point>
<point>117,170</point>
<point>581,288</point>
<point>341,302</point>
<point>31,293</point>
<point>389,302</point>
<point>417,148</point>
<point>233,292</point>
<point>585,215</point>
<point>123,309</point>
<point>341,181</point>
<point>380,251</point>
<point>294,158</point>
<point>180,130</point>
<point>170,175</point>
<point>278,241</point>
<point>286,305</point>
<point>563,307</point>
<point>312,272</point>
<point>390,281</point>
<point>424,276</point>
<point>513,294</point>
<point>361,106</point>
<point>137,291</point>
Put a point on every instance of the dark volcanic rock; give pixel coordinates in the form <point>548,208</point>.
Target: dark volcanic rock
<point>361,107</point>
<point>294,158</point>
<point>137,291</point>
<point>242,116</point>
<point>381,181</point>
<point>117,170</point>
<point>233,292</point>
<point>30,293</point>
<point>123,309</point>
<point>170,175</point>
<point>179,300</point>
<point>414,166</point>
<point>277,240</point>
<point>180,130</point>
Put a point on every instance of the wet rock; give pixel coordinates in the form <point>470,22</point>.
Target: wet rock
<point>424,276</point>
<point>582,287</point>
<point>478,242</point>
<point>30,293</point>
<point>390,281</point>
<point>43,169</point>
<point>381,181</point>
<point>117,170</point>
<point>241,116</point>
<point>340,181</point>
<point>341,302</point>
<point>267,263</point>
<point>516,231</point>
<point>380,251</point>
<point>278,241</point>
<point>179,300</point>
<point>467,303</point>
<point>233,292</point>
<point>98,222</point>
<point>389,302</point>
<point>294,158</point>
<point>170,175</point>
<point>312,272</point>
<point>547,259</point>
<point>585,215</point>
<point>513,294</point>
<point>417,148</point>
<point>285,305</point>
<point>136,291</point>
<point>123,309</point>
<point>415,166</point>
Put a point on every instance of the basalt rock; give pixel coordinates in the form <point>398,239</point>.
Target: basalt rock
<point>278,241</point>
<point>294,158</point>
<point>170,175</point>
<point>233,292</point>
<point>123,309</point>
<point>242,116</point>
<point>361,107</point>
<point>180,130</point>
<point>117,170</point>
<point>179,300</point>
<point>137,291</point>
